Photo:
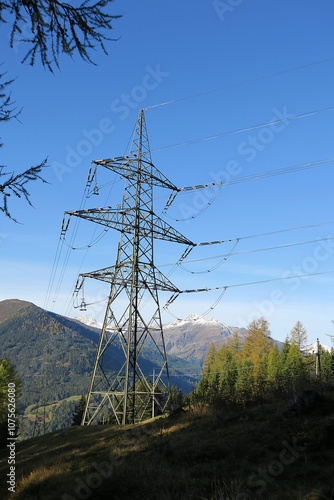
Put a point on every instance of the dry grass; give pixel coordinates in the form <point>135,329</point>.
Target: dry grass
<point>230,455</point>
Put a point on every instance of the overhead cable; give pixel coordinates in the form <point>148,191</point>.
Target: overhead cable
<point>246,129</point>
<point>200,211</point>
<point>264,234</point>
<point>175,295</point>
<point>224,258</point>
<point>262,175</point>
<point>230,254</point>
<point>255,282</point>
<point>238,180</point>
<point>225,287</point>
<point>239,84</point>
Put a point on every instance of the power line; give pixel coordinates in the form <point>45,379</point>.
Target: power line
<point>70,244</point>
<point>270,233</point>
<point>225,287</point>
<point>246,129</point>
<point>255,282</point>
<point>200,211</point>
<point>262,175</point>
<point>286,245</point>
<point>93,242</point>
<point>258,176</point>
<point>239,84</point>
<point>265,234</point>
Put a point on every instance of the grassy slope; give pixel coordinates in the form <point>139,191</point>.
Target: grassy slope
<point>195,456</point>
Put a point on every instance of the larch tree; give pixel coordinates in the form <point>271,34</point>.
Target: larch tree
<point>257,341</point>
<point>48,28</point>
<point>235,344</point>
<point>298,335</point>
<point>13,184</point>
<point>210,360</point>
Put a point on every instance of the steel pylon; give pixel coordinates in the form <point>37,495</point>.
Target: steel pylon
<point>129,395</point>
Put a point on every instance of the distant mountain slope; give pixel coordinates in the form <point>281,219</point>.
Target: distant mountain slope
<point>54,356</point>
<point>88,321</point>
<point>191,337</point>
<point>10,307</point>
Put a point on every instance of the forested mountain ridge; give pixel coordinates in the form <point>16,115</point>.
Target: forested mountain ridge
<point>10,307</point>
<point>54,357</point>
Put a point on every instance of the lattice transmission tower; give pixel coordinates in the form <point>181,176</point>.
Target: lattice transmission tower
<point>130,395</point>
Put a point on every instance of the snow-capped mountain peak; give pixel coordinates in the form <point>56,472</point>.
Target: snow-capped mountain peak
<point>312,348</point>
<point>86,320</point>
<point>193,319</point>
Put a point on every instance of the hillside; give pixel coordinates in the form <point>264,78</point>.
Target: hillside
<point>10,307</point>
<point>188,339</point>
<point>55,356</point>
<point>262,452</point>
<point>191,337</point>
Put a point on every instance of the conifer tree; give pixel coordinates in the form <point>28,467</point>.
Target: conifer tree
<point>173,397</point>
<point>295,364</point>
<point>274,366</point>
<point>327,364</point>
<point>214,388</point>
<point>210,360</point>
<point>275,372</point>
<point>261,382</point>
<point>176,399</point>
<point>180,398</point>
<point>79,411</point>
<point>52,27</point>
<point>298,335</point>
<point>8,375</point>
<point>228,377</point>
<point>202,391</point>
<point>285,350</point>
<point>235,345</point>
<point>243,385</point>
<point>257,342</point>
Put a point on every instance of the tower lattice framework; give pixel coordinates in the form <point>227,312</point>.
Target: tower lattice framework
<point>129,395</point>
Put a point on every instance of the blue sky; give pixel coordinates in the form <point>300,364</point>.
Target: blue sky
<point>169,51</point>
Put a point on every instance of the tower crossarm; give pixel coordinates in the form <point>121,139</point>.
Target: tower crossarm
<point>149,277</point>
<point>123,221</point>
<point>127,167</point>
